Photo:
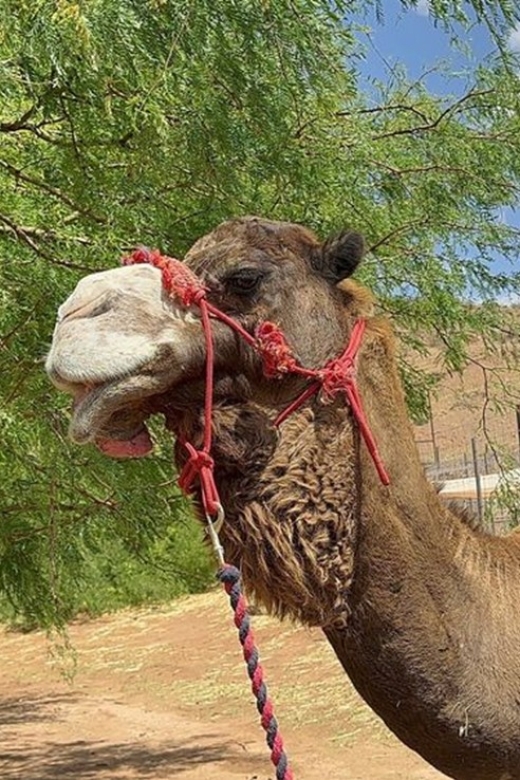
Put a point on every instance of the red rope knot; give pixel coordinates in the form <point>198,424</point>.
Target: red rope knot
<point>199,459</point>
<point>274,350</point>
<point>336,377</point>
<point>200,464</point>
<point>178,280</point>
<point>182,283</point>
<point>197,462</point>
<point>141,255</point>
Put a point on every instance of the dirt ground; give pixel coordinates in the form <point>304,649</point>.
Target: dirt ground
<point>163,693</point>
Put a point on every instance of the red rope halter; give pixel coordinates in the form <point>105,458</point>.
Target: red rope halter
<point>338,375</point>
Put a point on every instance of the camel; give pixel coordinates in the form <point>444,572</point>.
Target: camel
<point>420,607</point>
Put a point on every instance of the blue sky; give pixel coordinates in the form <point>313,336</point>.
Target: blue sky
<point>410,38</point>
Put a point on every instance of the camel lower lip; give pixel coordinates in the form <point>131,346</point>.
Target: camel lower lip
<point>136,446</point>
<point>98,418</point>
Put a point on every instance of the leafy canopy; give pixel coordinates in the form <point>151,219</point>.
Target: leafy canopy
<point>149,121</point>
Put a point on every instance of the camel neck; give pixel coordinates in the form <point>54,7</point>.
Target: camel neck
<point>282,491</point>
<point>430,643</point>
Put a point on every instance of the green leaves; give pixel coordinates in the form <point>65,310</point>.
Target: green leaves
<point>132,121</point>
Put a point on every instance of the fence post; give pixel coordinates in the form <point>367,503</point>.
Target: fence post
<point>432,431</point>
<point>480,507</point>
<point>518,426</point>
<point>437,456</point>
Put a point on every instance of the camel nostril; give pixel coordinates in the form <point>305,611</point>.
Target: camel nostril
<point>88,310</point>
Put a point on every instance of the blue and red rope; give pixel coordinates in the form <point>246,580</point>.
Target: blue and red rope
<point>230,578</point>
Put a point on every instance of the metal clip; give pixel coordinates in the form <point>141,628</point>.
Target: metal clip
<point>214,528</point>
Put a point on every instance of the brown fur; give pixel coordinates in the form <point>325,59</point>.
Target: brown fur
<point>401,584</point>
<point>299,558</point>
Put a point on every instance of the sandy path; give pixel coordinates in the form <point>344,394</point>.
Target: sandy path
<point>163,694</point>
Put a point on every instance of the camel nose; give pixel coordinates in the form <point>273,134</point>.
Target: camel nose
<point>76,307</point>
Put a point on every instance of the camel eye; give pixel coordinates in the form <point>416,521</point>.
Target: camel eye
<point>244,281</point>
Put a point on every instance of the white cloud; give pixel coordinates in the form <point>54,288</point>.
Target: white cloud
<point>423,7</point>
<point>513,39</point>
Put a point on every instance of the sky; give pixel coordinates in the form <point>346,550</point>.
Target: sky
<point>412,39</point>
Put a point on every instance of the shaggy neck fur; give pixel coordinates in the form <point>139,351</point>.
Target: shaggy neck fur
<point>291,519</point>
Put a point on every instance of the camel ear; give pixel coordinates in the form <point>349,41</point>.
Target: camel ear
<point>339,256</point>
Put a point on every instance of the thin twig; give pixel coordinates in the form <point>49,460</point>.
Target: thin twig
<point>27,239</point>
<point>449,111</point>
<point>19,175</point>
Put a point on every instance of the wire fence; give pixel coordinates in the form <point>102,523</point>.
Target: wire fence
<point>484,477</point>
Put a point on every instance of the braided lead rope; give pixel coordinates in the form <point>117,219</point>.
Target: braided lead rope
<point>179,281</point>
<point>230,578</point>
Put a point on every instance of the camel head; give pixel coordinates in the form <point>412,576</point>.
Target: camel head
<point>124,349</point>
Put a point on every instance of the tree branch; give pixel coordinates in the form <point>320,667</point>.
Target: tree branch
<point>442,169</point>
<point>30,242</point>
<point>400,229</point>
<point>19,175</point>
<point>452,109</point>
<point>381,109</point>
<point>44,234</point>
<point>8,336</point>
<point>18,124</point>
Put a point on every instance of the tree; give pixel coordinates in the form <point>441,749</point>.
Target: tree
<point>134,121</point>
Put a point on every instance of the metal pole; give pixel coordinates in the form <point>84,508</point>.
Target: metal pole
<point>518,426</point>
<point>432,430</point>
<point>480,507</point>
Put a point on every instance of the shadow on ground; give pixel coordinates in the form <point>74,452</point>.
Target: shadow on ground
<point>85,760</point>
<point>32,709</point>
<point>28,756</point>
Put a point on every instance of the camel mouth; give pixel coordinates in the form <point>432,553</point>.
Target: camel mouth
<point>113,414</point>
<point>117,430</point>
